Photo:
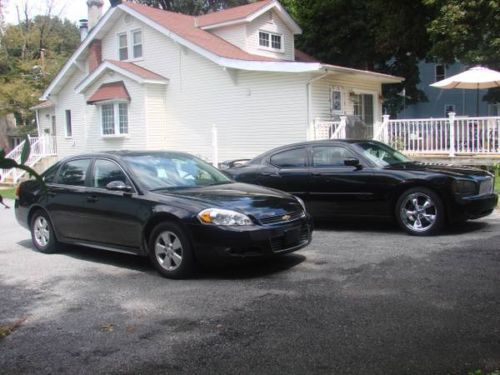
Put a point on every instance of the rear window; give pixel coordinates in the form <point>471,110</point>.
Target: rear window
<point>49,176</point>
<point>74,172</point>
<point>295,158</point>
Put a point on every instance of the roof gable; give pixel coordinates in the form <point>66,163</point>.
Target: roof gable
<point>110,91</point>
<point>129,70</point>
<point>245,13</point>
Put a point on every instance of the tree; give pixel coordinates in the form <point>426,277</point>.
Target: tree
<point>468,31</point>
<point>31,53</point>
<point>193,7</point>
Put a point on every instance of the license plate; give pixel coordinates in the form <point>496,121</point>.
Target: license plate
<point>292,237</point>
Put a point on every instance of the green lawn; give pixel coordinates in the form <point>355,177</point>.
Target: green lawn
<point>9,193</point>
<point>497,184</point>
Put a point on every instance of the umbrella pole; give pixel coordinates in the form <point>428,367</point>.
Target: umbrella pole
<point>477,100</point>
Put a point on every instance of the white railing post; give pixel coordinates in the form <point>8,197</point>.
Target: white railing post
<point>385,128</point>
<point>215,147</point>
<point>343,124</point>
<point>451,117</point>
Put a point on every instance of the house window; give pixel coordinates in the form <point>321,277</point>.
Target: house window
<point>336,100</point>
<point>69,128</point>
<point>137,43</point>
<point>114,119</point>
<point>440,72</point>
<point>271,41</point>
<point>123,46</point>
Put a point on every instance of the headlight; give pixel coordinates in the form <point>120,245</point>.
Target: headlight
<point>217,216</point>
<point>301,203</point>
<point>464,187</point>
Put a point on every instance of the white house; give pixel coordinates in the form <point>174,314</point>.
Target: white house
<point>145,78</point>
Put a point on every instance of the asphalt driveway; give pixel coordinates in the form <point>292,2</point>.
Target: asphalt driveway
<point>363,298</point>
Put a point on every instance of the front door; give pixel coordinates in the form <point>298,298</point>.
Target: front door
<point>365,110</point>
<point>113,216</point>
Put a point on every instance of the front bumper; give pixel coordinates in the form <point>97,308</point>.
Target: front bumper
<point>474,207</point>
<point>255,241</point>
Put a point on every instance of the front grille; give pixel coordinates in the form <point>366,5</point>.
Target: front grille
<point>290,240</point>
<point>486,187</point>
<point>285,218</point>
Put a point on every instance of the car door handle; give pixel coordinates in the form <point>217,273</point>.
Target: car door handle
<point>92,199</point>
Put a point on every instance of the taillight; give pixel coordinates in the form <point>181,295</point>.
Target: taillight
<point>18,191</point>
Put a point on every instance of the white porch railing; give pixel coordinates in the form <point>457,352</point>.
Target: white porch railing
<point>40,148</point>
<point>327,129</point>
<point>446,136</point>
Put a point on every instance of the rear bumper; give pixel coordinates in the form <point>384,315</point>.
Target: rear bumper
<point>21,214</point>
<point>474,207</point>
<point>250,242</point>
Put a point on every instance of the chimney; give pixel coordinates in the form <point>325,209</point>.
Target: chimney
<point>95,54</point>
<point>84,29</point>
<point>95,12</point>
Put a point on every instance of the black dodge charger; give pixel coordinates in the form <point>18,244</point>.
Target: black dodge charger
<point>169,206</point>
<point>359,178</point>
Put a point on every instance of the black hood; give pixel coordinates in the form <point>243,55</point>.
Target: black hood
<point>249,199</point>
<point>449,170</point>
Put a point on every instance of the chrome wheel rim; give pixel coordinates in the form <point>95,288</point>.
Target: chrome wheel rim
<point>41,231</point>
<point>168,251</point>
<point>418,212</point>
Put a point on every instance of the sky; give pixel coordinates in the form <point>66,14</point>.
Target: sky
<point>72,9</point>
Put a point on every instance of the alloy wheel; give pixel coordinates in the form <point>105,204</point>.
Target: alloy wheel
<point>418,212</point>
<point>168,251</point>
<point>41,231</point>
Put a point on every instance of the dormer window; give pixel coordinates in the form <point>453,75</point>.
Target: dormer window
<point>271,41</point>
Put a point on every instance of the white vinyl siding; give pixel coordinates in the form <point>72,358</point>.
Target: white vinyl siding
<point>321,95</point>
<point>236,35</point>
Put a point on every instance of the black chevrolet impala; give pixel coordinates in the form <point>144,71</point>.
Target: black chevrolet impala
<point>349,178</point>
<point>169,206</point>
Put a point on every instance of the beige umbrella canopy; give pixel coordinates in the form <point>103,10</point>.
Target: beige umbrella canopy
<point>475,78</point>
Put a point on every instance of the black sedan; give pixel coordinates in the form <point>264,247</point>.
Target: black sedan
<point>360,178</point>
<point>169,206</point>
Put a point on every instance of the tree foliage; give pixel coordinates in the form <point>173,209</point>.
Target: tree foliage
<point>31,53</point>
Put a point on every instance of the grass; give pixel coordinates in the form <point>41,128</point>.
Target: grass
<point>497,184</point>
<point>8,193</point>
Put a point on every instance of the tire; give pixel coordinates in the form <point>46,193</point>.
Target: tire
<point>420,212</point>
<point>42,233</point>
<point>170,251</point>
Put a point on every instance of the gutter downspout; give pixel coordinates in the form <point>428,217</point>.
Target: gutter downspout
<point>309,100</point>
<point>37,116</point>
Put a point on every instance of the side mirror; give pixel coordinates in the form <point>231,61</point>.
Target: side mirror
<point>352,162</point>
<point>118,186</point>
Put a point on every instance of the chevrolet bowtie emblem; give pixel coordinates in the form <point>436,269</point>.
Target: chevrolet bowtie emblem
<point>286,217</point>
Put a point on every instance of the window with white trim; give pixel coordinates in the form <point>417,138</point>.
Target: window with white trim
<point>114,119</point>
<point>336,99</point>
<point>272,41</point>
<point>137,43</point>
<point>69,126</point>
<point>123,46</point>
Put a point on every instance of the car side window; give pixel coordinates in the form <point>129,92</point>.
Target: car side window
<point>330,156</point>
<point>106,171</point>
<point>295,158</point>
<point>74,172</point>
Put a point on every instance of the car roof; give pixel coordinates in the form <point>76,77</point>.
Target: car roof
<point>116,154</point>
<point>308,143</point>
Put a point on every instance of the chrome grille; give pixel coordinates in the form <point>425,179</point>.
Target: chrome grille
<point>285,218</point>
<point>486,186</point>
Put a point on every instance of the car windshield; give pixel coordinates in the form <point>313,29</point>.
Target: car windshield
<point>159,171</point>
<point>381,154</point>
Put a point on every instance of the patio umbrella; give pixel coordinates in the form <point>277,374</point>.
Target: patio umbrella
<point>476,78</point>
